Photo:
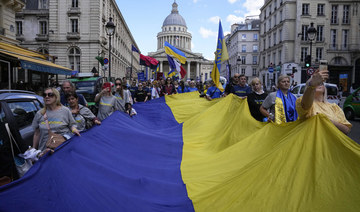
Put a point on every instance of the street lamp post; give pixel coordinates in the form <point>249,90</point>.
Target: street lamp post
<point>110,30</point>
<point>311,33</point>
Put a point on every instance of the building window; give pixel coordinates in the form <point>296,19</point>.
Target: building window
<point>319,54</point>
<point>264,44</point>
<point>74,58</point>
<point>263,61</point>
<point>275,20</point>
<point>279,56</point>
<point>333,38</point>
<point>269,23</point>
<point>255,60</point>
<point>304,29</point>
<point>280,35</point>
<point>269,40</point>
<point>305,9</point>
<point>304,52</point>
<point>74,3</point>
<point>321,9</point>
<point>346,14</point>
<point>174,28</point>
<point>43,4</point>
<point>320,33</point>
<point>255,37</point>
<point>74,25</point>
<point>334,14</point>
<point>243,48</point>
<point>243,36</point>
<point>345,37</point>
<point>243,59</point>
<point>243,71</point>
<point>264,27</point>
<point>255,48</point>
<point>274,35</point>
<point>19,28</point>
<point>43,28</point>
<point>274,58</point>
<point>281,16</point>
<point>254,72</point>
<point>275,5</point>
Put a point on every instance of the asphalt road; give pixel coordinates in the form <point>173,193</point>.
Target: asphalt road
<point>355,131</point>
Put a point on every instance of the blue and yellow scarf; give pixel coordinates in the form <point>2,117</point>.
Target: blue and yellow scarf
<point>285,108</point>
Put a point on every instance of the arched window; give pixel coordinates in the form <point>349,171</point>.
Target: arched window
<point>74,58</point>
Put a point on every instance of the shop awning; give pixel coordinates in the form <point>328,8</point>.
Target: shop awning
<point>21,50</point>
<point>37,64</point>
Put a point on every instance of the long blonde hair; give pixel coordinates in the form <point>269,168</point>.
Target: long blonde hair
<point>57,95</point>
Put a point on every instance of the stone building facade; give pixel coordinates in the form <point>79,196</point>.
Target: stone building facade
<point>284,42</point>
<point>243,48</point>
<point>174,31</point>
<point>75,33</point>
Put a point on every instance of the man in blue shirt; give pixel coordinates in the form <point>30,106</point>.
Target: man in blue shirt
<point>213,92</point>
<point>241,90</point>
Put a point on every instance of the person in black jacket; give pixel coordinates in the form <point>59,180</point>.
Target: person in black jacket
<point>256,98</point>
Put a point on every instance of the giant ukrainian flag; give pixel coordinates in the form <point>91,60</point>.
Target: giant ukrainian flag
<point>184,153</point>
<point>221,55</point>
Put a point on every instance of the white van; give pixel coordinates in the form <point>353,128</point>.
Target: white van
<point>332,92</point>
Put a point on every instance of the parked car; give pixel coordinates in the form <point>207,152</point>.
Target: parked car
<point>352,105</point>
<point>18,109</point>
<point>332,92</point>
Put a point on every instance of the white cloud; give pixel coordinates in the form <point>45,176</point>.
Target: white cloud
<point>232,1</point>
<point>232,19</point>
<point>205,33</point>
<point>195,1</point>
<point>252,7</point>
<point>238,11</point>
<point>214,19</point>
<point>192,45</point>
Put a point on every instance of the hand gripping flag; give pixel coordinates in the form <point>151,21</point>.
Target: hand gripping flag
<point>174,52</point>
<point>221,55</point>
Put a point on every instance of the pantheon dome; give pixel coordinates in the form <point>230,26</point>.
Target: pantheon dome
<point>174,18</point>
<point>174,31</point>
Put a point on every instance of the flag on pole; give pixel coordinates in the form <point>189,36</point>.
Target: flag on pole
<point>174,52</point>
<point>148,61</point>
<point>134,49</point>
<point>221,55</point>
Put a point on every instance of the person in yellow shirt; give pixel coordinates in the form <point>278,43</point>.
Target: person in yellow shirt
<point>314,101</point>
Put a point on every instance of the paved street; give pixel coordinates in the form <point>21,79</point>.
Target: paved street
<point>355,131</point>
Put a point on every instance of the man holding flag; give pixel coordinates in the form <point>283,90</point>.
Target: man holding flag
<point>221,55</point>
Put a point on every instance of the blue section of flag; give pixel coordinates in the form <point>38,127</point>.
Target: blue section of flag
<point>174,52</point>
<point>134,49</point>
<point>108,168</point>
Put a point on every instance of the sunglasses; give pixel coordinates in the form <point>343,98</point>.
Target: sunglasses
<point>118,84</point>
<point>48,94</point>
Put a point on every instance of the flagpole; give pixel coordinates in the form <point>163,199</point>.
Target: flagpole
<point>229,70</point>
<point>131,65</point>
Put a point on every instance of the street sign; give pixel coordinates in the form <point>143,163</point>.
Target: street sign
<point>310,71</point>
<point>106,61</point>
<point>271,69</point>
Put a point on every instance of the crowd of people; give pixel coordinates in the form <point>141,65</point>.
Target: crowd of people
<point>68,114</point>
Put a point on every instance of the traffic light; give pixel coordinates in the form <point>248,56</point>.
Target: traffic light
<point>308,61</point>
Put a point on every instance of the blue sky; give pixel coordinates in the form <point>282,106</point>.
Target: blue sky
<point>145,18</point>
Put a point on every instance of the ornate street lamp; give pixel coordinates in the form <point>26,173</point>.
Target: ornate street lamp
<point>311,33</point>
<point>110,30</point>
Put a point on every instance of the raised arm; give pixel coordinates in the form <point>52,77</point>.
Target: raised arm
<point>316,79</point>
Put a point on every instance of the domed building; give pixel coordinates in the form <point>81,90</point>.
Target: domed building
<point>174,31</point>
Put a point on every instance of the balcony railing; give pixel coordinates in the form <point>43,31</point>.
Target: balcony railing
<point>73,35</point>
<point>73,11</point>
<point>42,37</point>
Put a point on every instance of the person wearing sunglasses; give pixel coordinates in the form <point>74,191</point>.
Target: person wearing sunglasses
<point>314,101</point>
<point>59,118</point>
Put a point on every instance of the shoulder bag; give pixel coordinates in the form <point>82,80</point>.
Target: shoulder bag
<point>22,165</point>
<point>54,140</point>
